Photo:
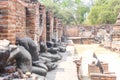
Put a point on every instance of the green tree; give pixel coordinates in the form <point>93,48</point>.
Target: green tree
<point>71,11</point>
<point>104,12</point>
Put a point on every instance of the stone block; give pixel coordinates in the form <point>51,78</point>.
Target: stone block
<point>99,76</point>
<point>92,68</point>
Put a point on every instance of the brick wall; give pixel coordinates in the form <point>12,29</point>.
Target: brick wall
<point>32,22</point>
<point>92,68</point>
<point>55,28</point>
<point>20,19</point>
<point>29,1</point>
<point>72,31</point>
<point>42,10</point>
<point>98,76</point>
<point>4,19</point>
<point>12,20</point>
<point>49,25</point>
<point>25,18</point>
<point>60,29</point>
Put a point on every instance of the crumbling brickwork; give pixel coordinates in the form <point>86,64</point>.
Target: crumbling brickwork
<point>32,22</point>
<point>12,20</point>
<point>72,31</point>
<point>55,28</point>
<point>42,10</point>
<point>20,18</point>
<point>92,68</point>
<point>60,29</point>
<point>97,76</point>
<point>20,15</point>
<point>49,25</point>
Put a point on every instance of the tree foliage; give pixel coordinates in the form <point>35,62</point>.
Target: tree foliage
<point>71,11</point>
<point>104,12</point>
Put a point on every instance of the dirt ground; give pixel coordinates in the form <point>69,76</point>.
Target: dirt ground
<point>105,55</point>
<point>66,69</point>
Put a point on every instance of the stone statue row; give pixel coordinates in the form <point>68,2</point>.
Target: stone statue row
<point>24,57</point>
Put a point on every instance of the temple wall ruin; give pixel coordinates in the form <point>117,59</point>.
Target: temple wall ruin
<point>60,29</point>
<point>55,29</point>
<point>49,25</point>
<point>32,22</point>
<point>12,20</point>
<point>42,11</point>
<point>20,18</point>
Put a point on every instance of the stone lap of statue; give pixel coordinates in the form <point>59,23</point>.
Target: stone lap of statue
<point>4,54</point>
<point>29,45</point>
<point>23,59</point>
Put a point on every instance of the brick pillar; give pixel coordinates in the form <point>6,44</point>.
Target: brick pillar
<point>42,10</point>
<point>92,68</point>
<point>12,20</point>
<point>20,20</point>
<point>49,25</point>
<point>60,29</point>
<point>55,29</point>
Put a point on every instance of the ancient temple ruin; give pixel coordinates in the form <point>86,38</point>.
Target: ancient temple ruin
<point>116,30</point>
<point>20,18</point>
<point>49,25</point>
<point>27,23</point>
<point>116,35</point>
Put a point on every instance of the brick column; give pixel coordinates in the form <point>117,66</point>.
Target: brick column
<point>12,20</point>
<point>49,25</point>
<point>42,10</point>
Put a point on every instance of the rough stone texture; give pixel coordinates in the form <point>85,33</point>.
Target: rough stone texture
<point>32,22</point>
<point>116,30</point>
<point>49,25</point>
<point>72,31</point>
<point>55,28</point>
<point>116,35</point>
<point>92,68</point>
<point>20,19</point>
<point>26,18</point>
<point>98,76</point>
<point>12,20</point>
<point>60,29</point>
<point>42,11</point>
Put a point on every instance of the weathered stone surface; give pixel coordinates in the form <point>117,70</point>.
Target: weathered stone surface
<point>4,54</point>
<point>30,46</point>
<point>40,71</point>
<point>98,76</point>
<point>23,59</point>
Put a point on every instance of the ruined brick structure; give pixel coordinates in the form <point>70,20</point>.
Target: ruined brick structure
<point>94,72</point>
<point>92,68</point>
<point>55,28</point>
<point>72,31</point>
<point>49,25</point>
<point>12,19</point>
<point>20,18</point>
<point>60,29</point>
<point>116,35</point>
<point>116,30</point>
<point>42,24</point>
<point>32,22</point>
